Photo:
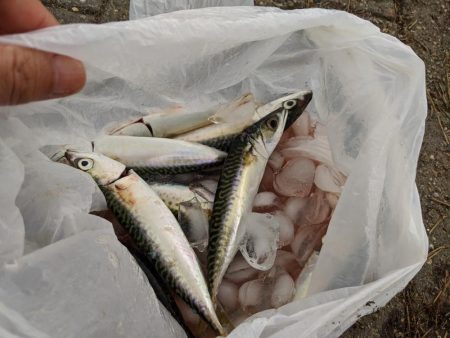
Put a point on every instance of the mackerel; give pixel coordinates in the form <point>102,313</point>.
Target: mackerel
<point>170,124</point>
<point>152,155</point>
<point>238,184</point>
<point>153,228</point>
<point>222,134</point>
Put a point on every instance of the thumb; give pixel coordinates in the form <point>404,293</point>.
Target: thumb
<point>30,75</point>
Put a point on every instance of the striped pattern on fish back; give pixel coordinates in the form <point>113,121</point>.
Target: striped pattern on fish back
<point>126,219</point>
<point>149,172</point>
<point>222,142</point>
<point>224,199</point>
<point>131,224</point>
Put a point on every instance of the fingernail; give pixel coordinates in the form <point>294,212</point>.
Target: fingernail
<point>69,76</point>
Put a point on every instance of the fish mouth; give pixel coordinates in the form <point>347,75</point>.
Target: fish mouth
<point>303,99</point>
<point>70,156</point>
<point>58,156</point>
<point>276,105</point>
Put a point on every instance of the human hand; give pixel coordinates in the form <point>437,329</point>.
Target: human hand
<point>29,75</point>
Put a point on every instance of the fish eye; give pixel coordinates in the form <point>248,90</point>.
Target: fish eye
<point>289,104</point>
<point>272,123</point>
<point>85,164</point>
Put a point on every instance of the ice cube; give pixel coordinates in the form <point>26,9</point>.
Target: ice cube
<point>273,289</point>
<point>306,239</point>
<point>317,209</point>
<point>253,295</point>
<point>239,271</point>
<point>302,126</point>
<point>267,180</point>
<point>228,295</point>
<point>286,228</point>
<point>287,135</point>
<point>283,290</point>
<point>328,180</point>
<point>193,217</point>
<point>266,202</point>
<point>294,142</point>
<point>316,149</point>
<point>276,161</point>
<point>293,208</point>
<point>295,178</point>
<point>259,245</point>
<point>287,261</point>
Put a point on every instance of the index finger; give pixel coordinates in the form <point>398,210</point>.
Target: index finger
<point>19,16</point>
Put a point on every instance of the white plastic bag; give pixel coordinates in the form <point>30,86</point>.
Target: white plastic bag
<point>143,8</point>
<point>369,89</point>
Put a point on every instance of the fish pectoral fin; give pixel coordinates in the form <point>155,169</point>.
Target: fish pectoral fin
<point>258,147</point>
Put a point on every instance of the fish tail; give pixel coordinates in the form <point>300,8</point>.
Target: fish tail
<point>209,315</point>
<point>205,311</point>
<point>224,318</point>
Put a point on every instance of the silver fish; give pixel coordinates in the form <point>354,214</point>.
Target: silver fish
<point>152,155</point>
<point>153,228</point>
<point>164,124</point>
<point>169,124</point>
<point>238,184</point>
<point>220,135</point>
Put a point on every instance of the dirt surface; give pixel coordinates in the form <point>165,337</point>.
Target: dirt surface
<point>423,308</point>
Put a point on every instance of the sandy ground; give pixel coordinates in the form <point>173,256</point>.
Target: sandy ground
<point>423,308</point>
